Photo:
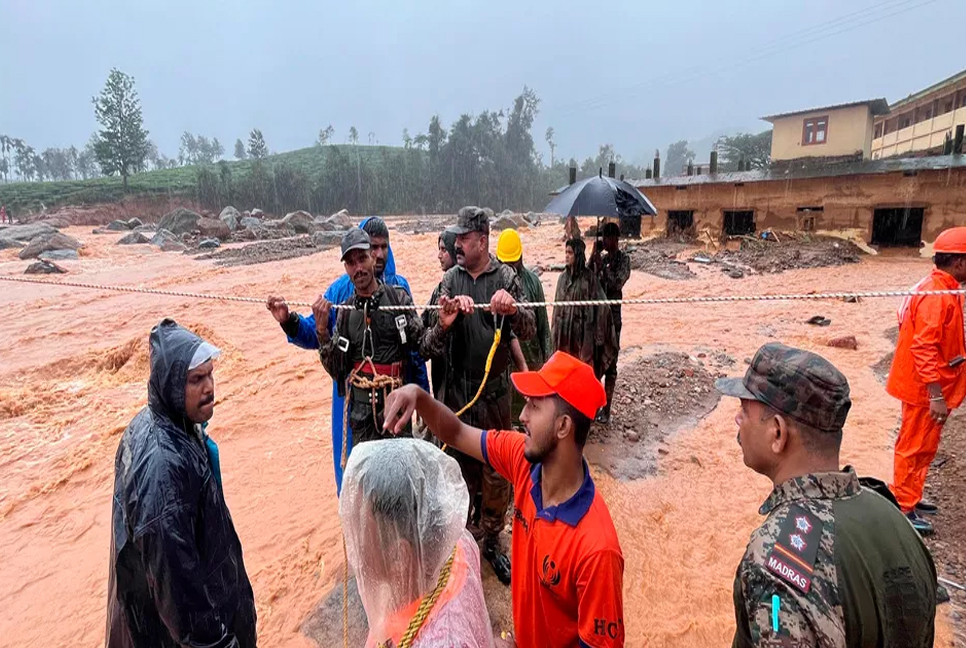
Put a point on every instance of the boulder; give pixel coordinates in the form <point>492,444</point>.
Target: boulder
<point>327,239</point>
<point>533,218</point>
<point>209,244</point>
<point>146,228</point>
<point>48,242</point>
<point>44,267</point>
<point>59,255</point>
<point>214,228</point>
<point>246,214</point>
<point>118,226</point>
<point>173,246</point>
<point>163,236</point>
<point>245,234</point>
<point>179,221</point>
<point>6,243</point>
<point>250,223</point>
<point>341,220</point>
<point>507,222</point>
<point>230,216</point>
<point>257,213</point>
<point>844,342</point>
<point>134,238</point>
<point>57,222</point>
<point>26,233</point>
<point>134,223</point>
<point>300,221</point>
<point>506,212</point>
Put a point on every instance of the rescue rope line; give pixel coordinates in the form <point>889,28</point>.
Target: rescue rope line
<point>638,301</point>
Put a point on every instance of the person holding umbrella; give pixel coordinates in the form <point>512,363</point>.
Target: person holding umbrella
<point>613,269</point>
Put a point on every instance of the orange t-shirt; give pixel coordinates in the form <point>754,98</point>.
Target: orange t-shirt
<point>930,335</point>
<point>568,568</point>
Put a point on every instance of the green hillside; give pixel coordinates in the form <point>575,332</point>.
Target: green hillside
<point>184,181</point>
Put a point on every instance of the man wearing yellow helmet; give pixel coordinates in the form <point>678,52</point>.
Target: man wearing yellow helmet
<point>509,250</point>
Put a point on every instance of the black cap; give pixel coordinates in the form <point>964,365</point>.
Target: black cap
<point>473,219</point>
<point>354,239</point>
<point>800,384</point>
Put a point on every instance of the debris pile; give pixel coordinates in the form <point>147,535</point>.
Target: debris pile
<point>782,251</point>
<point>654,397</point>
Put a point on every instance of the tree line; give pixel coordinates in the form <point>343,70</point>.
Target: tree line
<point>487,159</point>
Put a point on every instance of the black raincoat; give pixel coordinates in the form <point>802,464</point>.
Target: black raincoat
<point>176,575</point>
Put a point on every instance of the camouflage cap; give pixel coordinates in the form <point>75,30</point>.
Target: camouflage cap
<point>473,219</point>
<point>802,385</point>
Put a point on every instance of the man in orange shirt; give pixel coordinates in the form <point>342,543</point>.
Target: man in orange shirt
<point>568,568</point>
<point>928,372</point>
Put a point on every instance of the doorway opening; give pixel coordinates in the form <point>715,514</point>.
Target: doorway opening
<point>739,222</point>
<point>897,227</point>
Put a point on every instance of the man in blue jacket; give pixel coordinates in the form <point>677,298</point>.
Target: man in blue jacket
<point>301,329</point>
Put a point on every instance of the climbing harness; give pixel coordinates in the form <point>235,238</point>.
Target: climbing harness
<point>637,301</point>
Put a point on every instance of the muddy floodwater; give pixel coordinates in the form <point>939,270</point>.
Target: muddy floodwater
<point>73,372</point>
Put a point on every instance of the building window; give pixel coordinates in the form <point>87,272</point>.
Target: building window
<point>927,114</point>
<point>815,130</point>
<point>905,122</point>
<point>948,106</point>
<point>680,223</point>
<point>807,217</point>
<point>878,131</point>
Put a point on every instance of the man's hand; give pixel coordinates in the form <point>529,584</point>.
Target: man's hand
<point>399,408</point>
<point>502,303</point>
<point>278,308</point>
<point>938,411</point>
<point>320,309</point>
<point>451,307</point>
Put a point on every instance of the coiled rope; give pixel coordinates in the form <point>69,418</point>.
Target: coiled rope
<point>635,301</point>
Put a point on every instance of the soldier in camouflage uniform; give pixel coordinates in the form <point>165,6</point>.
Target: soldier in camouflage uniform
<point>834,564</point>
<point>613,270</point>
<point>463,336</point>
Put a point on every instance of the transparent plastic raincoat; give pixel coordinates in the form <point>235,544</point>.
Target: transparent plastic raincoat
<point>403,510</point>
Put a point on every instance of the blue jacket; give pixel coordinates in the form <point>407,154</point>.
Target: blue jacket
<point>340,290</point>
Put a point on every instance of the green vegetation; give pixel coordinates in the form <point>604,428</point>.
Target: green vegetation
<point>488,159</point>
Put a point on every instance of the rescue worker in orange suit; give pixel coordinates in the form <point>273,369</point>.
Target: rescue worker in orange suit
<point>928,373</point>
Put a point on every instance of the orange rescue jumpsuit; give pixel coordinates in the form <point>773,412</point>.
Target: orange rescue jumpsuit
<point>930,336</point>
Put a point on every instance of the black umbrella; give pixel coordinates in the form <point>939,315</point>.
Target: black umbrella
<point>601,196</point>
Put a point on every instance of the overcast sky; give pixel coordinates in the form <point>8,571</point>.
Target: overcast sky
<point>634,73</point>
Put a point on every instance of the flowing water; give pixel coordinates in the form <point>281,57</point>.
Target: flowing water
<point>73,372</point>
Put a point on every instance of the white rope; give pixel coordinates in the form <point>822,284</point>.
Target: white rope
<point>710,299</point>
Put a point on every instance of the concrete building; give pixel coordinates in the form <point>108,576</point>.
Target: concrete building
<point>920,123</point>
<point>897,202</point>
<point>840,131</point>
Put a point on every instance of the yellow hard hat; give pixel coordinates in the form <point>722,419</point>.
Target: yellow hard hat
<point>509,248</point>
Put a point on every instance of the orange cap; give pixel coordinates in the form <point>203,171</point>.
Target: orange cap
<point>951,241</point>
<point>565,376</point>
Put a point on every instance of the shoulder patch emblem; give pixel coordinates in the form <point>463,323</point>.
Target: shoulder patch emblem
<point>796,548</point>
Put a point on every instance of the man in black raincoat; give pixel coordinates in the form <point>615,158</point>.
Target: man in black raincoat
<point>177,577</point>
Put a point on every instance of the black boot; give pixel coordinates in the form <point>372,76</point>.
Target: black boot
<point>497,559</point>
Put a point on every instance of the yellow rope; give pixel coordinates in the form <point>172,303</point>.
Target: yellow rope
<point>422,613</point>
<point>497,336</point>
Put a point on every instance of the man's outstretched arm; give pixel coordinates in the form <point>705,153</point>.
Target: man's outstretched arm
<point>402,402</point>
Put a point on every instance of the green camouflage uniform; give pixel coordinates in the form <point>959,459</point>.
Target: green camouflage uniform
<point>835,564</point>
